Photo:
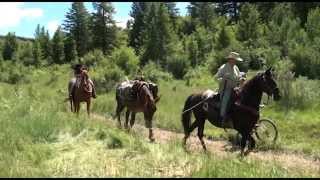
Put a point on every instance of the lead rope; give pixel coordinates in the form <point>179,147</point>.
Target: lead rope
<point>195,105</point>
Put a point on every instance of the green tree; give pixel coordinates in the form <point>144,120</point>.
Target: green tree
<point>313,24</point>
<point>103,27</point>
<point>159,35</point>
<point>37,54</point>
<point>173,13</point>
<point>10,46</point>
<point>248,27</point>
<point>136,34</point>
<point>77,24</point>
<point>224,37</point>
<point>70,50</point>
<point>58,47</point>
<point>202,12</point>
<point>302,9</point>
<point>230,9</point>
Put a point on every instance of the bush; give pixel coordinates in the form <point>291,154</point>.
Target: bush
<point>93,58</point>
<point>106,78</point>
<point>153,73</point>
<point>198,75</point>
<point>14,73</point>
<point>297,93</point>
<point>126,59</point>
<point>178,66</point>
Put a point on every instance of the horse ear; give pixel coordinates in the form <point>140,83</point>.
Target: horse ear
<point>268,71</point>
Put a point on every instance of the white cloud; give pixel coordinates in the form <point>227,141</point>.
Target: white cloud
<point>11,13</point>
<point>52,27</point>
<point>122,22</point>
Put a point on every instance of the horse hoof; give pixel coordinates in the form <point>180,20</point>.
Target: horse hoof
<point>152,140</point>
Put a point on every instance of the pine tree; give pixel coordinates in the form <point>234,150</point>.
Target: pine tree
<point>248,27</point>
<point>138,26</point>
<point>103,27</point>
<point>58,47</point>
<point>37,54</point>
<point>77,24</point>
<point>302,9</point>
<point>229,9</point>
<point>43,37</point>
<point>312,25</point>
<point>70,50</point>
<point>160,36</point>
<point>10,46</point>
<point>201,12</point>
<point>173,13</point>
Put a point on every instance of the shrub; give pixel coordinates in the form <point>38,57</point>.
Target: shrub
<point>153,73</point>
<point>14,73</point>
<point>197,75</point>
<point>126,59</point>
<point>178,66</point>
<point>93,58</point>
<point>297,93</point>
<point>106,78</point>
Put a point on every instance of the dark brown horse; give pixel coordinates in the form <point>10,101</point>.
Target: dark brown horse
<point>145,102</point>
<point>243,114</point>
<point>82,92</point>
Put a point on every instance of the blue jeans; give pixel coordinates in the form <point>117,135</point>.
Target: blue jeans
<point>225,101</point>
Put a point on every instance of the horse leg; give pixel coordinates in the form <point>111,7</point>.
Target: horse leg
<point>133,118</point>
<point>77,107</point>
<point>252,145</point>
<point>148,122</point>
<point>71,104</point>
<point>200,133</point>
<point>118,113</point>
<point>192,127</point>
<point>243,142</point>
<point>127,119</point>
<point>88,107</point>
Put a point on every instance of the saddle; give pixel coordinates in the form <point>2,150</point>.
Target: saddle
<point>136,87</point>
<point>214,101</point>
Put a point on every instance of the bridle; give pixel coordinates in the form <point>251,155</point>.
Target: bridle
<point>270,89</point>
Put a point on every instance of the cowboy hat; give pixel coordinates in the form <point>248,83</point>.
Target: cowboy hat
<point>234,55</point>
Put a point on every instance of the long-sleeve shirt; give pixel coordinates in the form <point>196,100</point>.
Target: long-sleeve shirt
<point>229,74</point>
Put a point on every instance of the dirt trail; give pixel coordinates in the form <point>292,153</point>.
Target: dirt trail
<point>224,148</point>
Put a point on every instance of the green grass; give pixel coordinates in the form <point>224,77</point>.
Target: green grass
<point>39,137</point>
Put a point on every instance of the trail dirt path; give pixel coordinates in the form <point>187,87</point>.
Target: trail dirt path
<point>225,148</point>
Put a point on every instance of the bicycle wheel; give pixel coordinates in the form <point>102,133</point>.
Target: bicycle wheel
<point>266,131</point>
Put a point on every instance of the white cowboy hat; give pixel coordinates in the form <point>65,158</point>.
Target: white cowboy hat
<point>234,55</point>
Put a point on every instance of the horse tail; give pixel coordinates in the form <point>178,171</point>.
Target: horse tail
<point>186,116</point>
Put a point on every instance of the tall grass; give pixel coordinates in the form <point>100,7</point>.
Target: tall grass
<point>39,137</point>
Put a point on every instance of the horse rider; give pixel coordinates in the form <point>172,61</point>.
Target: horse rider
<point>78,68</point>
<point>229,77</point>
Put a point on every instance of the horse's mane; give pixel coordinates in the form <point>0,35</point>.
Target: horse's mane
<point>250,82</point>
<point>248,86</point>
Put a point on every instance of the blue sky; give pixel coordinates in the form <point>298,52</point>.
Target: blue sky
<point>23,17</point>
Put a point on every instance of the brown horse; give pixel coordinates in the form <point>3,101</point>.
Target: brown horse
<point>82,92</point>
<point>144,102</point>
<point>243,115</point>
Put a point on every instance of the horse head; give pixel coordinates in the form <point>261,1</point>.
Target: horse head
<point>85,80</point>
<point>269,85</point>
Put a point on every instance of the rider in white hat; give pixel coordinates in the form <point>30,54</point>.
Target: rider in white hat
<point>228,76</point>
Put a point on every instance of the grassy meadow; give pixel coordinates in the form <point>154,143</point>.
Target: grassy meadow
<point>39,137</point>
